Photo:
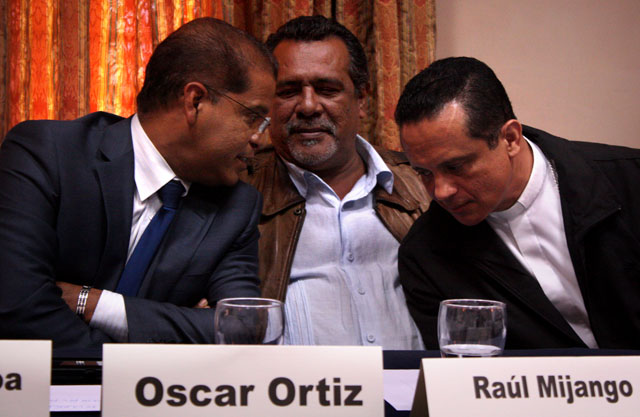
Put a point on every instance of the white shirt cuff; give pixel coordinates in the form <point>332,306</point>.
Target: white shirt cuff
<point>110,316</point>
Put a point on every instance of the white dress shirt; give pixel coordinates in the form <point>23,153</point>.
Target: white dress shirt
<point>533,229</point>
<point>151,172</point>
<point>344,287</point>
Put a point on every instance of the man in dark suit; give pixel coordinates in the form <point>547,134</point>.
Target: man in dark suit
<point>546,225</point>
<point>77,199</point>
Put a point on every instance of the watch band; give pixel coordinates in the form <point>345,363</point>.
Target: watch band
<point>82,300</point>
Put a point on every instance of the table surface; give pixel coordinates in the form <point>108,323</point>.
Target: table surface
<point>81,367</point>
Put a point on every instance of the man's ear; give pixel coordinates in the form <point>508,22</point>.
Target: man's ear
<point>511,132</point>
<point>363,100</point>
<point>194,93</point>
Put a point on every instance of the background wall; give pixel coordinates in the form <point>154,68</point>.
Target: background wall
<point>571,67</point>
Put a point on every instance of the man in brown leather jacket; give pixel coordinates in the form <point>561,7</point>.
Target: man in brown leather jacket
<point>335,208</point>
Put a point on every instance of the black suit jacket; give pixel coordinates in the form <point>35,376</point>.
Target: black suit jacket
<point>441,258</point>
<point>66,201</point>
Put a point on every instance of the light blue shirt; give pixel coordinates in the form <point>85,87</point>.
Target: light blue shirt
<point>344,287</point>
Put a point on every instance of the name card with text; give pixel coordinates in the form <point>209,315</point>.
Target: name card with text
<point>227,381</point>
<point>533,386</point>
<point>25,377</point>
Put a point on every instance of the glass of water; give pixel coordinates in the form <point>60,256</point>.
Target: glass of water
<point>471,328</point>
<point>249,321</point>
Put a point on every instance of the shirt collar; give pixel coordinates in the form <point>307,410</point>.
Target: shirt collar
<point>151,171</point>
<point>531,191</point>
<point>376,168</point>
<point>377,171</point>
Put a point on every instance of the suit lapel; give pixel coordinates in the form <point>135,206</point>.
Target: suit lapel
<point>190,226</point>
<point>115,171</point>
<point>482,248</point>
<point>586,195</point>
<point>114,168</point>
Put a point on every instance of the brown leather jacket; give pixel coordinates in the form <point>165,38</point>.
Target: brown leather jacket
<point>283,212</point>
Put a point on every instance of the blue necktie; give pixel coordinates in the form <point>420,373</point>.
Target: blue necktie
<point>140,259</point>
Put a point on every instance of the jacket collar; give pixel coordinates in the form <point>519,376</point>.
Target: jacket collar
<point>116,142</point>
<point>402,194</point>
<point>278,190</point>
<point>280,193</point>
<point>586,194</point>
<point>114,167</point>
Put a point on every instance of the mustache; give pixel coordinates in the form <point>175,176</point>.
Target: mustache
<point>297,125</point>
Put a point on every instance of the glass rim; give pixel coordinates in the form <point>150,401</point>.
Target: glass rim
<point>472,303</point>
<point>246,302</point>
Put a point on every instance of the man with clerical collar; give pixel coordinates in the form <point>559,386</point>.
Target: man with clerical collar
<point>546,225</point>
<point>335,206</point>
<point>112,229</point>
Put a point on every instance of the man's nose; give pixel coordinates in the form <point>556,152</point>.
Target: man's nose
<point>443,187</point>
<point>258,141</point>
<point>309,104</point>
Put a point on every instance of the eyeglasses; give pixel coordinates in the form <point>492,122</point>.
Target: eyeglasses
<point>266,121</point>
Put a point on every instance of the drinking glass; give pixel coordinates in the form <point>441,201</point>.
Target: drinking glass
<point>249,321</point>
<point>471,328</point>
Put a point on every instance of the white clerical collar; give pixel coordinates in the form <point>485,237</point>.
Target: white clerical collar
<point>151,171</point>
<point>377,171</point>
<point>532,189</point>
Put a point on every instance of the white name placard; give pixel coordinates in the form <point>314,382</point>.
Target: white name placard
<point>225,381</point>
<point>25,377</point>
<point>587,386</point>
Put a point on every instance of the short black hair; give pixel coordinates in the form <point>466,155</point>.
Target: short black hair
<point>318,28</point>
<point>207,50</point>
<point>467,81</point>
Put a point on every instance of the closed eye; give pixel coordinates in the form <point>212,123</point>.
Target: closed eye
<point>327,91</point>
<point>454,168</point>
<point>287,92</point>
<point>423,172</point>
<point>288,89</point>
<point>252,118</point>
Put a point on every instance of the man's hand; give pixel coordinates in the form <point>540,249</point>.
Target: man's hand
<point>70,293</point>
<point>204,303</point>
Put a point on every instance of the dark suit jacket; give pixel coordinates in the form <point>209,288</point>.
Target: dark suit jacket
<point>441,258</point>
<point>66,201</point>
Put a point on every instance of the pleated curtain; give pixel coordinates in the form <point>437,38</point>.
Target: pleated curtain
<point>61,59</point>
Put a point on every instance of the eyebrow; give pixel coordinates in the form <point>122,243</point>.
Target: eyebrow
<point>315,81</point>
<point>420,170</point>
<point>456,159</point>
<point>327,81</point>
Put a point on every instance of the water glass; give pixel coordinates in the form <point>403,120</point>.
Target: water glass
<point>249,321</point>
<point>471,328</point>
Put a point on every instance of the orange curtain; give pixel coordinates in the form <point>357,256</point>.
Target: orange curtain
<point>61,59</point>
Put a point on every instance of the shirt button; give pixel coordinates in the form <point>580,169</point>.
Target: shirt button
<point>361,291</point>
<point>371,338</point>
<point>350,257</point>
